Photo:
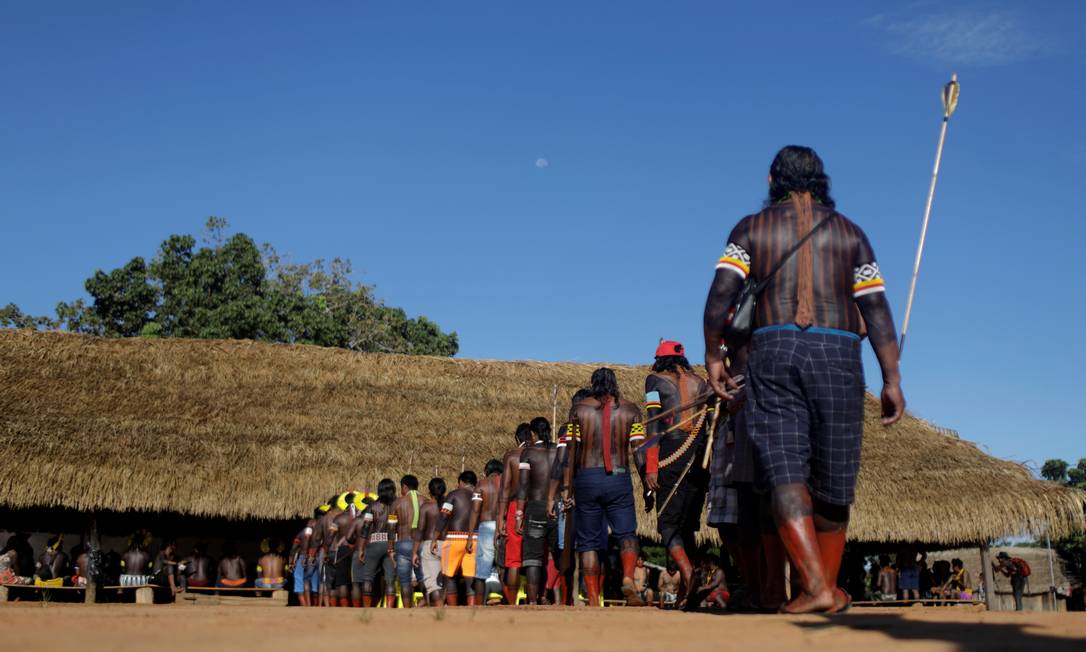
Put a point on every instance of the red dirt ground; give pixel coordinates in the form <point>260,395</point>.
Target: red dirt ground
<point>30,626</point>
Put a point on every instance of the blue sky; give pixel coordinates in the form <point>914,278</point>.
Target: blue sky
<point>554,180</point>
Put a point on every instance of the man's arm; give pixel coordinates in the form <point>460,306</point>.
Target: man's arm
<point>648,457</point>
<point>524,471</point>
<point>732,270</point>
<point>424,521</point>
<point>473,517</point>
<point>506,493</point>
<point>392,528</point>
<point>442,523</point>
<point>869,293</point>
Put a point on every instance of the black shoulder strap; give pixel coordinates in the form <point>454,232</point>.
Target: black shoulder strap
<point>791,252</point>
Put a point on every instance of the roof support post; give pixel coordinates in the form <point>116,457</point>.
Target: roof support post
<point>989,577</point>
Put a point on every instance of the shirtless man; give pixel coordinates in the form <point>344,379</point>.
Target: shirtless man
<point>533,514</point>
<point>305,580</point>
<point>80,564</point>
<point>232,572</point>
<point>456,529</point>
<point>608,426</point>
<point>507,528</point>
<point>490,489</point>
<point>670,581</point>
<point>641,580</point>
<point>340,555</point>
<point>164,570</point>
<point>317,554</point>
<point>375,540</point>
<point>407,510</point>
<point>196,568</point>
<point>53,563</point>
<point>424,555</point>
<point>136,561</point>
<point>271,565</point>
<point>560,501</point>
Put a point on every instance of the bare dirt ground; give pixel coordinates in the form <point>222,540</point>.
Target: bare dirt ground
<point>32,626</point>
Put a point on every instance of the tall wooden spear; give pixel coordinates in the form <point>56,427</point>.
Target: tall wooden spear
<point>950,102</point>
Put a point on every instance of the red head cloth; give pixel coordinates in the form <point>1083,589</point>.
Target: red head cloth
<point>669,347</point>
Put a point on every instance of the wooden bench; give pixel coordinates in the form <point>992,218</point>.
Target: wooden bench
<point>908,603</point>
<point>145,593</point>
<point>241,595</point>
<point>6,590</point>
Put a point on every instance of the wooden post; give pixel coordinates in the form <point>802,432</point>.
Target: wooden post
<point>90,595</point>
<point>989,577</point>
<point>145,595</point>
<point>3,594</point>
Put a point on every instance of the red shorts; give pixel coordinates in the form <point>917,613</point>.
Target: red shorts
<point>513,541</point>
<point>552,573</point>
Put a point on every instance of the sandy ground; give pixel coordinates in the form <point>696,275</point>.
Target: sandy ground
<point>32,626</point>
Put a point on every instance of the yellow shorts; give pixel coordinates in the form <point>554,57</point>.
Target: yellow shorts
<point>455,556</point>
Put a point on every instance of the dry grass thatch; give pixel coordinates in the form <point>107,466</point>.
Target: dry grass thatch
<point>239,429</point>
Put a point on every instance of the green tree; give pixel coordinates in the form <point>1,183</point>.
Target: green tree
<point>1073,548</point>
<point>1054,471</point>
<point>230,288</point>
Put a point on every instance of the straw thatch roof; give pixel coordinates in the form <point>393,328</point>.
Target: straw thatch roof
<point>240,429</point>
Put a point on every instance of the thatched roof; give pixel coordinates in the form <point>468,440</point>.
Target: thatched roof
<point>240,429</point>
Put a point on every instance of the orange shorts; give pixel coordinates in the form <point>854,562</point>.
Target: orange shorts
<point>455,555</point>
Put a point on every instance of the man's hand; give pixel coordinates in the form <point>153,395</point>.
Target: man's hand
<point>433,547</point>
<point>719,378</point>
<point>650,501</point>
<point>893,403</point>
<point>568,504</point>
<point>520,525</point>
<point>415,559</point>
<point>652,482</point>
<point>501,528</point>
<point>470,546</point>
<point>362,554</point>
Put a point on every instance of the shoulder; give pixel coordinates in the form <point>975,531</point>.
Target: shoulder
<point>628,407</point>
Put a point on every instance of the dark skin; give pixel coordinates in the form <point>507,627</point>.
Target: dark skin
<point>792,502</point>
<point>405,514</point>
<point>428,513</point>
<point>321,540</point>
<point>54,562</point>
<point>271,566</point>
<point>461,519</point>
<point>169,561</point>
<point>378,521</point>
<point>510,482</point>
<point>588,454</point>
<point>534,484</point>
<point>136,561</point>
<point>197,567</point>
<point>232,568</point>
<point>487,510</point>
<point>301,541</point>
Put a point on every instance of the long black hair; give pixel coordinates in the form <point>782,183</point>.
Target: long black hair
<point>798,169</point>
<point>437,488</point>
<point>670,363</point>
<point>542,429</point>
<point>604,384</point>
<point>386,491</point>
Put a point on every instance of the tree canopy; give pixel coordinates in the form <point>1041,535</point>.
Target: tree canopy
<point>1073,548</point>
<point>231,288</point>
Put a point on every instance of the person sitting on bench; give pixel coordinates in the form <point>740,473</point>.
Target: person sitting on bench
<point>196,568</point>
<point>269,567</point>
<point>136,561</point>
<point>231,569</point>
<point>53,564</point>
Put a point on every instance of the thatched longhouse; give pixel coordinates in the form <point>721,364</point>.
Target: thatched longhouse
<point>239,429</point>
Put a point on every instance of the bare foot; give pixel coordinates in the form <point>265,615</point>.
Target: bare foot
<point>633,598</point>
<point>806,603</point>
<point>841,601</point>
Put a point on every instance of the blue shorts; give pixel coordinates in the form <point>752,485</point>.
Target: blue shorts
<point>484,549</point>
<point>602,499</point>
<point>561,530</point>
<point>404,569</point>
<point>305,576</point>
<point>805,409</point>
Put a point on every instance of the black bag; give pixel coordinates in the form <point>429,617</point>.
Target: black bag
<point>737,332</point>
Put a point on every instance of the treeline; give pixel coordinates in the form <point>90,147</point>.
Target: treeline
<point>1073,548</point>
<point>230,288</point>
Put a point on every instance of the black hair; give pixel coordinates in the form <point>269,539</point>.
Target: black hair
<point>386,491</point>
<point>798,169</point>
<point>437,488</point>
<point>884,560</point>
<point>332,501</point>
<point>229,549</point>
<point>957,562</point>
<point>670,363</point>
<point>580,395</point>
<point>410,481</point>
<point>542,429</point>
<point>604,384</point>
<point>524,433</point>
<point>317,513</point>
<point>492,467</point>
<point>468,477</point>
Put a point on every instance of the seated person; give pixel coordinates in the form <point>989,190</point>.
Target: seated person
<point>9,562</point>
<point>136,561</point>
<point>232,573</point>
<point>960,584</point>
<point>80,561</point>
<point>196,568</point>
<point>269,567</point>
<point>52,566</point>
<point>713,590</point>
<point>164,570</point>
<point>670,583</point>
<point>641,580</point>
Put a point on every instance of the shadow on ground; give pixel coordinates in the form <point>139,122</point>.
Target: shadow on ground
<point>968,637</point>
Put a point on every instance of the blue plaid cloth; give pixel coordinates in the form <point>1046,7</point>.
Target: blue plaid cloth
<point>805,408</point>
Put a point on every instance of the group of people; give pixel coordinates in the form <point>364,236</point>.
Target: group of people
<point>771,439</point>
<point>136,566</point>
<point>772,436</point>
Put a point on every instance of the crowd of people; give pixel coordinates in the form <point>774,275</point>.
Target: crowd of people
<point>769,440</point>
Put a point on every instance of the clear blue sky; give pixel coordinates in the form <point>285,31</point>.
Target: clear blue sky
<point>554,180</point>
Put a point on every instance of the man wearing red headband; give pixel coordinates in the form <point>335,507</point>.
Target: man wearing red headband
<point>673,442</point>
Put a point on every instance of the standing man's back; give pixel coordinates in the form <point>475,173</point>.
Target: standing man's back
<point>805,392</point>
